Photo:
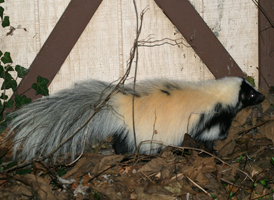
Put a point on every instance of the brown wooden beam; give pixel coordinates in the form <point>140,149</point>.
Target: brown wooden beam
<point>59,44</point>
<point>266,43</point>
<point>207,46</point>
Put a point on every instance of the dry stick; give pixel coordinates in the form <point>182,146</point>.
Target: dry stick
<point>148,177</point>
<point>260,196</point>
<point>154,130</point>
<point>264,13</point>
<point>83,149</point>
<point>258,125</point>
<point>135,74</point>
<point>138,32</point>
<point>197,185</point>
<point>143,43</point>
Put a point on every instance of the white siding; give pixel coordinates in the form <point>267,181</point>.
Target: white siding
<point>103,49</point>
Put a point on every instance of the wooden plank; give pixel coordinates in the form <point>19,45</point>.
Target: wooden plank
<point>184,16</point>
<point>59,44</point>
<point>266,43</point>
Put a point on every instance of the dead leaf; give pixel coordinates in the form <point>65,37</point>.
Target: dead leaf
<point>110,161</point>
<point>197,167</point>
<point>83,166</point>
<point>269,98</point>
<point>255,170</point>
<point>178,188</point>
<point>241,117</point>
<point>75,169</point>
<point>85,180</point>
<point>108,190</point>
<point>157,189</point>
<point>155,165</point>
<point>37,185</point>
<point>226,147</point>
<point>228,172</point>
<point>268,130</point>
<point>141,195</point>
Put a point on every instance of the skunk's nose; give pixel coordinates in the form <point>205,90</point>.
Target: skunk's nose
<point>261,98</point>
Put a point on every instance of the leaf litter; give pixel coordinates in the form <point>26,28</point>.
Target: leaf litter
<point>240,168</point>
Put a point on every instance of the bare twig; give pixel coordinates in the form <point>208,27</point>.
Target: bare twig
<point>264,12</point>
<point>148,177</point>
<point>135,73</point>
<point>197,185</point>
<point>153,43</point>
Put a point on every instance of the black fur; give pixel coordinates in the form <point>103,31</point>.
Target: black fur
<point>166,92</point>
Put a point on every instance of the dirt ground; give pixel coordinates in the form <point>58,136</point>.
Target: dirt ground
<point>241,167</point>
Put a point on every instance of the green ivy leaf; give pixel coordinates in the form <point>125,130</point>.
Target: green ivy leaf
<point>255,184</point>
<point>1,53</point>
<point>21,71</point>
<point>23,171</point>
<point>12,164</point>
<point>5,75</point>
<point>240,159</point>
<point>251,81</point>
<point>61,172</point>
<point>10,117</point>
<point>2,1</point>
<point>7,84</point>
<point>9,68</point>
<point>1,12</point>
<point>21,100</point>
<point>264,182</point>
<point>6,21</point>
<point>3,96</point>
<point>41,86</point>
<point>6,58</point>
<point>2,129</point>
<point>272,160</point>
<point>2,71</point>
<point>230,195</point>
<point>9,104</point>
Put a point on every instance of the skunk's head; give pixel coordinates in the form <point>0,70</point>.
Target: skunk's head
<point>249,96</point>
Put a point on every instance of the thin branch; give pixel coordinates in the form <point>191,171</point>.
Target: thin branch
<point>135,73</point>
<point>264,12</point>
<point>155,43</point>
<point>197,185</point>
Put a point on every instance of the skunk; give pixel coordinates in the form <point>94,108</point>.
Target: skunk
<point>164,110</point>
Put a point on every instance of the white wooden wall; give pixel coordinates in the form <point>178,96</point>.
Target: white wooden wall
<point>103,49</point>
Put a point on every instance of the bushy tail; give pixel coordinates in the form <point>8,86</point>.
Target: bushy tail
<point>42,125</point>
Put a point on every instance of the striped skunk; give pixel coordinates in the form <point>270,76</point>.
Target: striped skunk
<point>164,111</point>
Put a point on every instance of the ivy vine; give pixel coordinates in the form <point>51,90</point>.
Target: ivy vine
<point>9,82</point>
